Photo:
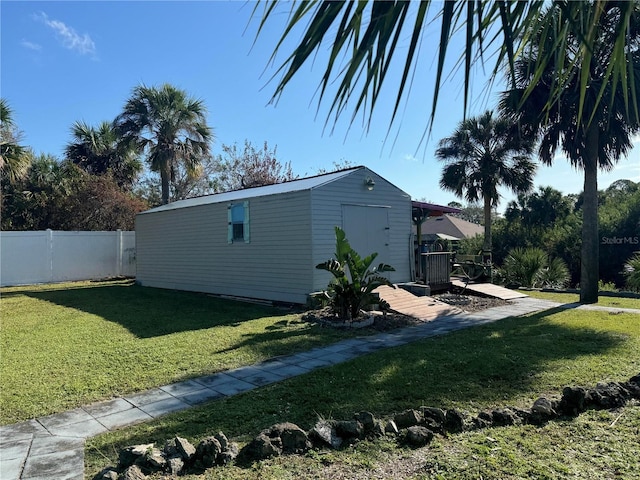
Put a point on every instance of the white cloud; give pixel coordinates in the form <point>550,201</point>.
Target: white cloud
<point>30,45</point>
<point>68,36</point>
<point>410,158</point>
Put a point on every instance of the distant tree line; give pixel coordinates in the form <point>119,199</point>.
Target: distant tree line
<point>548,220</point>
<point>156,151</point>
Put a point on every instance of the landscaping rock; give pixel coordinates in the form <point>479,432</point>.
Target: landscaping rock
<point>132,473</point>
<point>391,428</point>
<point>229,454</point>
<point>544,406</point>
<point>633,389</point>
<point>186,450</point>
<point>367,420</point>
<point>207,452</point>
<point>543,410</point>
<point>263,447</point>
<point>170,449</point>
<point>324,434</point>
<point>109,473</point>
<point>222,440</point>
<point>503,417</point>
<point>130,455</point>
<point>418,436</point>
<point>292,438</point>
<point>575,400</point>
<point>609,395</point>
<point>433,418</point>
<point>454,421</point>
<point>408,418</point>
<point>378,429</point>
<point>349,429</point>
<point>175,465</point>
<point>153,460</point>
<point>523,414</point>
<point>483,420</point>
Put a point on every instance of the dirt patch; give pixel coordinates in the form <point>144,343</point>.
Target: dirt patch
<point>470,303</point>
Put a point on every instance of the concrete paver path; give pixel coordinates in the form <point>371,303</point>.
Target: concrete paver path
<point>52,447</point>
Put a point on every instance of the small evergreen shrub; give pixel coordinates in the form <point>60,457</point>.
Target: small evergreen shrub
<point>632,273</point>
<point>532,268</point>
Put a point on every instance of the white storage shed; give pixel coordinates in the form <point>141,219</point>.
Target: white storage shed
<point>265,242</point>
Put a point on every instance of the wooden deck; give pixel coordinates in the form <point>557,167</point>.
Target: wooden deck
<point>489,289</point>
<point>424,308</point>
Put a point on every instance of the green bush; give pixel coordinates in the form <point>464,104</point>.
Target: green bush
<point>632,273</point>
<point>353,282</point>
<point>532,267</point>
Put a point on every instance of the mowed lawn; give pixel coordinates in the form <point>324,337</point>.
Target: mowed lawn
<point>66,345</point>
<point>507,363</point>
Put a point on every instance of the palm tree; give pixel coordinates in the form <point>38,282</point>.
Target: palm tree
<point>482,154</point>
<point>100,151</point>
<point>167,125</point>
<point>592,133</point>
<point>364,38</point>
<point>14,158</point>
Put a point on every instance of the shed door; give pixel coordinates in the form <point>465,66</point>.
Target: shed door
<point>367,229</point>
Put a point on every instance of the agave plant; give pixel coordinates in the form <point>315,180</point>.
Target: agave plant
<point>354,281</point>
<point>632,272</point>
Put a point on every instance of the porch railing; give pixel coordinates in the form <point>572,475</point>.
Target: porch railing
<point>436,269</point>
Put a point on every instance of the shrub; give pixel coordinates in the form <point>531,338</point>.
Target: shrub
<point>632,273</point>
<point>531,267</point>
<point>353,282</point>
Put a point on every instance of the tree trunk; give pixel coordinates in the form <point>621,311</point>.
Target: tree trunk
<point>487,245</point>
<point>164,177</point>
<point>590,260</point>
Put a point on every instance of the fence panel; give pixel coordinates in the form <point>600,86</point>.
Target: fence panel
<point>56,256</point>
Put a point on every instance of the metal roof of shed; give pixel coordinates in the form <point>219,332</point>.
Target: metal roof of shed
<point>246,193</point>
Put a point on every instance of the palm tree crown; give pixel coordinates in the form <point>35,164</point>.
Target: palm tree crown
<point>482,154</point>
<point>591,132</point>
<point>169,127</point>
<point>100,151</point>
<point>14,158</point>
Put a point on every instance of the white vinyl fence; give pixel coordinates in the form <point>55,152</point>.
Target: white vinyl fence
<point>56,256</point>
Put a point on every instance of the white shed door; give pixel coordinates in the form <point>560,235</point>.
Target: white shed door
<point>367,229</point>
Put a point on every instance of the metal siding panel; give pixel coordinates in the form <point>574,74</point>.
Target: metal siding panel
<point>327,204</point>
<point>187,249</point>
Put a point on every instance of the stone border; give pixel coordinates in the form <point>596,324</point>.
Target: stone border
<point>413,427</point>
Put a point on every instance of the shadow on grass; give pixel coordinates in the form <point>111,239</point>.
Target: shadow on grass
<point>471,369</point>
<point>150,312</point>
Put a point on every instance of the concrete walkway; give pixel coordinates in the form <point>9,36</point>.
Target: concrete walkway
<point>52,447</point>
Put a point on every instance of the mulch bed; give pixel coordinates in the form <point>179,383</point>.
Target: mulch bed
<point>393,320</point>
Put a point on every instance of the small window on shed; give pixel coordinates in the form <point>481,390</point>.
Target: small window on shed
<point>238,215</point>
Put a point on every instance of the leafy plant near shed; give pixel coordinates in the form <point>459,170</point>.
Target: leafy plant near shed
<point>354,280</point>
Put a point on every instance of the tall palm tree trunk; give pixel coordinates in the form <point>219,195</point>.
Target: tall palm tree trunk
<point>487,245</point>
<point>590,265</point>
<point>165,174</point>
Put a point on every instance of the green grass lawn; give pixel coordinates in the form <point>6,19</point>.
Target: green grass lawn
<point>67,345</point>
<point>510,362</point>
<point>603,299</point>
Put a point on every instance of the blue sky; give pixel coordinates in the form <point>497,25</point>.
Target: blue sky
<point>67,61</point>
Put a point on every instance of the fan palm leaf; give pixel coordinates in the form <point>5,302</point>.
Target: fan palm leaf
<point>365,37</point>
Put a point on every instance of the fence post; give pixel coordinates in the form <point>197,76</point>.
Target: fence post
<point>118,252</point>
<point>49,240</point>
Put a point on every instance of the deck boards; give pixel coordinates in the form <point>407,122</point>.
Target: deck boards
<point>490,289</point>
<point>406,303</point>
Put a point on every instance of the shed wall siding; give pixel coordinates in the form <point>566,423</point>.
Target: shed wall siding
<point>187,249</point>
<point>326,211</point>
